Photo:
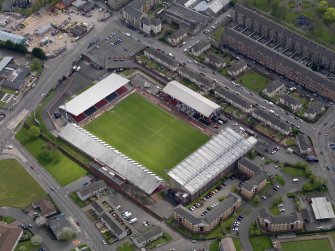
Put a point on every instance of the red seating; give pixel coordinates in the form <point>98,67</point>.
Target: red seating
<point>121,90</point>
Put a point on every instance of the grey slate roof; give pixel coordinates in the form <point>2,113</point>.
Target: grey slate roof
<point>113,224</point>
<point>133,12</point>
<point>4,62</point>
<point>249,164</point>
<point>97,207</point>
<point>186,14</point>
<point>272,119</point>
<point>273,86</point>
<point>214,58</point>
<point>164,57</point>
<point>314,108</point>
<point>19,81</point>
<point>91,188</point>
<point>112,158</point>
<point>237,65</point>
<point>199,46</point>
<point>148,234</point>
<point>196,75</point>
<point>281,219</point>
<point>212,215</point>
<point>303,142</point>
<point>254,181</point>
<point>234,98</point>
<point>57,223</point>
<point>177,34</point>
<point>291,101</point>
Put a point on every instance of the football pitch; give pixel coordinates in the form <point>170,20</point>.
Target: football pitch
<point>147,134</point>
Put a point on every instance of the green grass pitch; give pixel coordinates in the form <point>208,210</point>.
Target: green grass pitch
<point>307,245</point>
<point>147,134</point>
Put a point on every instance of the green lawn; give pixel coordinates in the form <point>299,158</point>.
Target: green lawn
<point>290,142</point>
<point>274,209</point>
<point>65,171</point>
<point>7,219</point>
<point>27,244</point>
<point>147,134</point>
<point>307,245</point>
<point>17,187</point>
<point>237,244</point>
<point>254,81</point>
<point>214,246</point>
<point>126,247</point>
<point>261,243</point>
<point>294,172</point>
<point>77,200</point>
<point>280,180</point>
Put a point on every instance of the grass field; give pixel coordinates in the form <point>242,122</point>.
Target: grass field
<point>308,245</point>
<point>17,187</point>
<point>126,247</point>
<point>65,171</point>
<point>294,172</point>
<point>261,243</point>
<point>147,134</point>
<point>254,81</point>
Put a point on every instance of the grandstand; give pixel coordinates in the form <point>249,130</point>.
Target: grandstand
<point>200,170</point>
<point>115,165</point>
<point>189,101</point>
<point>94,98</point>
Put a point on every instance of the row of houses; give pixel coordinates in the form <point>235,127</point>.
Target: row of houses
<point>272,121</point>
<point>162,59</point>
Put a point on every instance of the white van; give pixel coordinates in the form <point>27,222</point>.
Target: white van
<point>132,221</point>
<point>295,180</point>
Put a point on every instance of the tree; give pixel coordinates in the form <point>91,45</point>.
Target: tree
<point>36,240</point>
<point>40,221</point>
<point>257,199</point>
<point>329,15</point>
<point>323,5</point>
<point>34,131</point>
<point>22,248</point>
<point>38,52</point>
<point>67,234</point>
<point>49,153</point>
<point>36,65</point>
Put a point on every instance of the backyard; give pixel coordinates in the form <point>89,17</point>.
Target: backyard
<point>254,81</point>
<point>17,187</point>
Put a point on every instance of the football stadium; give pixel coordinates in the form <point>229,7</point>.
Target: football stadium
<point>134,140</point>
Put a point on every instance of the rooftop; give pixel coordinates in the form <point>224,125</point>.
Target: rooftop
<point>316,107</point>
<point>303,142</point>
<point>322,208</point>
<point>185,13</point>
<point>214,58</point>
<point>191,98</point>
<point>148,234</point>
<point>91,188</point>
<point>254,181</point>
<point>200,45</point>
<point>249,164</point>
<point>177,34</point>
<point>273,86</point>
<point>288,99</point>
<point>272,119</point>
<point>93,95</point>
<point>9,235</point>
<point>112,158</point>
<point>237,65</point>
<point>163,57</point>
<point>57,223</point>
<point>112,223</point>
<point>46,207</point>
<point>212,158</point>
<point>280,219</point>
<point>4,62</point>
<point>234,98</point>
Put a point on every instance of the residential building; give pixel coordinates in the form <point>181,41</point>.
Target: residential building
<point>187,18</point>
<point>200,47</point>
<point>314,110</point>
<point>149,25</point>
<point>281,50</point>
<point>282,223</point>
<point>97,207</point>
<point>177,37</point>
<point>214,60</point>
<point>91,190</point>
<point>272,89</point>
<point>117,4</point>
<point>212,161</point>
<point>304,144</point>
<point>114,226</point>
<point>9,236</point>
<point>200,80</point>
<point>143,5</point>
<point>248,167</point>
<point>253,186</point>
<point>227,244</point>
<point>151,234</point>
<point>237,68</point>
<point>15,77</point>
<point>236,101</point>
<point>56,225</point>
<point>162,59</point>
<point>272,121</point>
<point>291,103</point>
<point>206,223</point>
<point>45,207</point>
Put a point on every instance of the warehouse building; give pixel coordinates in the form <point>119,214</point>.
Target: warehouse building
<point>16,39</point>
<point>322,209</point>
<point>94,98</point>
<point>215,159</point>
<point>193,100</point>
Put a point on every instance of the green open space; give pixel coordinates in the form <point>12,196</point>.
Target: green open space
<point>237,244</point>
<point>159,141</point>
<point>306,245</point>
<point>27,245</point>
<point>74,196</point>
<point>294,172</point>
<point>63,169</point>
<point>126,247</point>
<point>214,246</point>
<point>7,219</point>
<point>290,142</point>
<point>17,187</point>
<point>254,81</point>
<point>260,243</point>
